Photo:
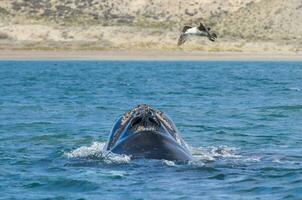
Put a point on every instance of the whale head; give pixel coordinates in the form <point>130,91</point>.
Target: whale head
<point>147,133</point>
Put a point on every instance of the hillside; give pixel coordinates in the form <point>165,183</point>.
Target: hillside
<point>242,25</point>
<point>267,20</point>
<point>117,11</point>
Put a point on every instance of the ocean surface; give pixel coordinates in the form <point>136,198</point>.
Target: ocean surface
<point>243,121</point>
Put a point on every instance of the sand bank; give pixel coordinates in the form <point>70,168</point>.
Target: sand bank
<point>146,55</point>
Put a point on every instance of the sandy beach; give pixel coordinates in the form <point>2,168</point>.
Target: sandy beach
<point>146,55</point>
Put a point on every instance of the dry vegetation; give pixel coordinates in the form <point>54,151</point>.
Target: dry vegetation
<point>242,25</point>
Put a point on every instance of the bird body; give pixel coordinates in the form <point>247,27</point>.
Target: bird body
<point>195,31</point>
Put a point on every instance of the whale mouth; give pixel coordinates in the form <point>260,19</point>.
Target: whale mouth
<point>151,145</point>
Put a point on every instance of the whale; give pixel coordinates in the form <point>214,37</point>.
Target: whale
<point>144,132</point>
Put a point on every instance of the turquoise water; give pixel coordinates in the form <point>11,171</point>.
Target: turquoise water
<point>242,119</point>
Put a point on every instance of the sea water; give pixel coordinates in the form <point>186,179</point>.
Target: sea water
<point>243,121</point>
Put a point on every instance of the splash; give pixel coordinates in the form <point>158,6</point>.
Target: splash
<point>96,151</point>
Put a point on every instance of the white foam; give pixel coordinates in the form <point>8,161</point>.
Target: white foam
<point>168,163</point>
<point>213,153</point>
<point>252,159</point>
<point>295,89</point>
<point>276,160</point>
<point>96,151</point>
<point>119,174</point>
<point>112,158</point>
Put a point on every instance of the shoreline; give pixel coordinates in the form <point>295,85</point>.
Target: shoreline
<point>144,55</point>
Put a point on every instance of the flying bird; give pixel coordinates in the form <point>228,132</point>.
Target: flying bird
<point>201,30</point>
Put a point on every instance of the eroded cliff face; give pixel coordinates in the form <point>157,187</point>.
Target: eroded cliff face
<point>119,11</point>
<point>148,23</point>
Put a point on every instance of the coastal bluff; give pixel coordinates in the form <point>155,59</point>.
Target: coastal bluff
<point>241,25</point>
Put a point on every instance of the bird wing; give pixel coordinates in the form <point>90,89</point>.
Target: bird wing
<point>185,28</point>
<point>201,27</point>
<point>212,36</point>
<point>182,39</point>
